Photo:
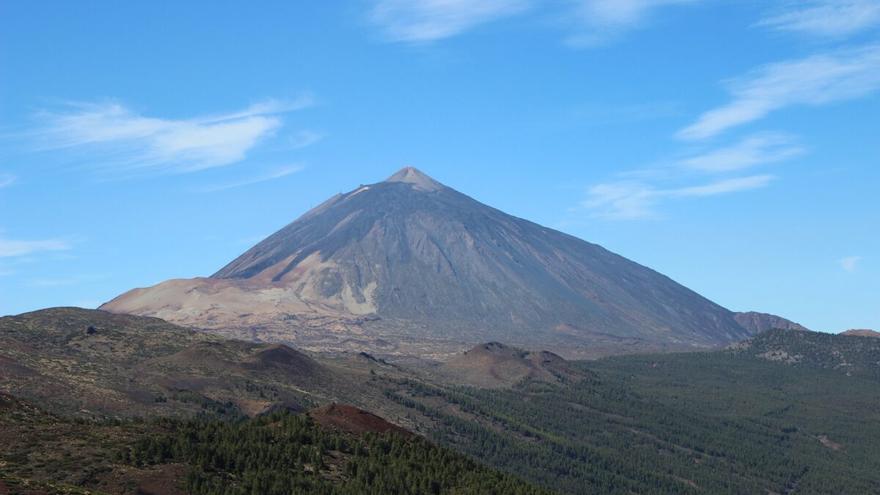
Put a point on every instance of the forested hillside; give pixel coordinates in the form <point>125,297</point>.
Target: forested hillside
<point>850,354</point>
<point>714,423</point>
<point>281,453</point>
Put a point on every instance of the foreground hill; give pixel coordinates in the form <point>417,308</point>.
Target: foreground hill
<point>409,265</point>
<point>94,363</point>
<point>276,454</point>
<point>732,421</point>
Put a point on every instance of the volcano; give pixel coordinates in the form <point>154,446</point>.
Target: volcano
<point>411,264</point>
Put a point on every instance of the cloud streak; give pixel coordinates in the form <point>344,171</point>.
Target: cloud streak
<point>639,192</point>
<point>275,174</point>
<point>826,18</point>
<point>128,141</point>
<point>603,20</point>
<point>6,180</point>
<point>749,152</point>
<point>65,281</point>
<point>813,81</point>
<point>635,200</point>
<point>850,263</point>
<point>422,21</point>
<point>304,139</point>
<point>595,21</point>
<point>11,248</point>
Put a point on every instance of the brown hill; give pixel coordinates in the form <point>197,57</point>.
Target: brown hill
<point>495,365</point>
<point>91,362</point>
<point>350,419</point>
<point>410,266</point>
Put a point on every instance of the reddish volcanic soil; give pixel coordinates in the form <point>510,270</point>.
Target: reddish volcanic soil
<point>353,420</point>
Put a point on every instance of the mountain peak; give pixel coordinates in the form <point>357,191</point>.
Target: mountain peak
<point>414,176</point>
<point>415,255</point>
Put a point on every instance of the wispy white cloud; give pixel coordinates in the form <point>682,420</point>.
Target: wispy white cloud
<point>825,18</point>
<point>11,248</point>
<point>850,263</point>
<point>621,200</point>
<point>721,187</point>
<point>635,200</point>
<point>65,281</point>
<point>420,21</point>
<point>749,152</point>
<point>275,174</point>
<point>638,192</point>
<point>304,139</point>
<point>815,80</point>
<point>600,21</point>
<point>127,141</point>
<point>6,180</point>
<point>594,22</point>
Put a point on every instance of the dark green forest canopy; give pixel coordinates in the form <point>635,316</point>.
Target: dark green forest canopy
<point>720,422</point>
<point>284,453</point>
<point>281,453</point>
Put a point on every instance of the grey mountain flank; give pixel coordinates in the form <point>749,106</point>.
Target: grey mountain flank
<point>410,266</point>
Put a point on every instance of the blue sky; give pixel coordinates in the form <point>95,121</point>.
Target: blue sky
<point>730,145</point>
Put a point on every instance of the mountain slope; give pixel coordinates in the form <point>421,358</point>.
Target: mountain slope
<point>756,322</point>
<point>419,260</point>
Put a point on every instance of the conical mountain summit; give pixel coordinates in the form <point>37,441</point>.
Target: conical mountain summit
<point>410,265</point>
